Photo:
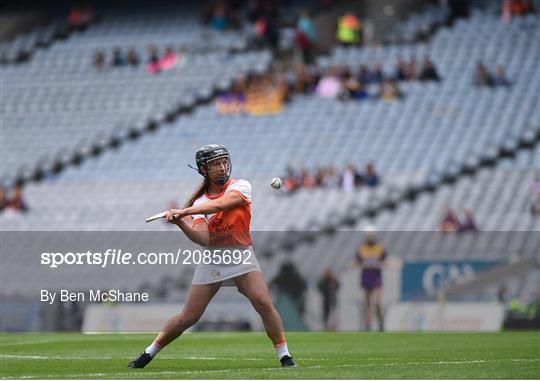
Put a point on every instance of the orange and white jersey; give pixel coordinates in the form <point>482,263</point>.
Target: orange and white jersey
<point>230,227</point>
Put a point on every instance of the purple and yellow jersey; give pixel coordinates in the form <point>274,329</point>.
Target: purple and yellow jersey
<point>370,255</point>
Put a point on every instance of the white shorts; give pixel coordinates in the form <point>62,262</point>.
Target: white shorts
<point>219,272</point>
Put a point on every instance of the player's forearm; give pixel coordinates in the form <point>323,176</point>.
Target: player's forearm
<point>209,207</point>
<point>199,237</point>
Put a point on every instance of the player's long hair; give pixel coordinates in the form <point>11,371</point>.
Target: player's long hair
<point>198,193</point>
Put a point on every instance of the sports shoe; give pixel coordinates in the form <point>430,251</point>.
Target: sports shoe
<point>287,362</point>
<point>140,361</point>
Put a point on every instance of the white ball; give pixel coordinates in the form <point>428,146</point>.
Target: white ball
<point>276,183</point>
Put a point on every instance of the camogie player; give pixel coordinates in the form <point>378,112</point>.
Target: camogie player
<point>371,255</point>
<point>218,215</point>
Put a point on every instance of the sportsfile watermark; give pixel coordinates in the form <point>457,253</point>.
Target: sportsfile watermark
<point>112,257</point>
<point>133,281</point>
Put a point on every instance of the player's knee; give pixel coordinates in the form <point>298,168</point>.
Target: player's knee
<point>263,305</point>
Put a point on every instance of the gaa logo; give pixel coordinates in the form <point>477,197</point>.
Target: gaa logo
<point>216,222</point>
<point>215,274</point>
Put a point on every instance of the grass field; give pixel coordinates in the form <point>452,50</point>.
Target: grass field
<point>250,355</point>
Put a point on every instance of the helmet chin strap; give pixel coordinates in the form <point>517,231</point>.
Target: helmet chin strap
<point>221,180</point>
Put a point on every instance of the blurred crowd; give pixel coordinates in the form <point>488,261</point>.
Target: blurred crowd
<point>328,177</point>
<point>345,83</point>
<point>12,202</point>
<point>451,223</point>
<point>254,95</point>
<point>483,78</point>
<point>155,61</point>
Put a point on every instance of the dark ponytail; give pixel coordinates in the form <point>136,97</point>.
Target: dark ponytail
<point>198,193</point>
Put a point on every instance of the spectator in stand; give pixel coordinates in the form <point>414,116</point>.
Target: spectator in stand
<point>319,176</point>
<point>401,70</point>
<point>328,285</point>
<point>482,77</point>
<point>118,58</point>
<point>467,224</point>
<point>169,59</point>
<point>306,36</point>
<point>371,178</point>
<point>3,198</point>
<point>331,178</point>
<point>389,91</point>
<point>349,30</point>
<point>450,222</point>
<point>153,60</point>
<point>132,58</point>
<point>429,73</point>
<point>521,7</point>
<point>17,202</point>
<point>219,19</point>
<point>500,77</point>
<point>306,180</point>
<point>352,88</point>
<point>99,60</point>
<point>80,17</point>
<point>350,178</point>
<point>330,84</point>
<point>304,82</point>
<point>377,75</point>
<point>290,182</point>
<point>364,75</point>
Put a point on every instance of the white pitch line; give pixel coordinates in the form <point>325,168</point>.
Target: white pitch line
<point>166,357</point>
<point>131,373</point>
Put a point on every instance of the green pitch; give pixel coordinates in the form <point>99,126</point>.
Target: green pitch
<point>250,355</point>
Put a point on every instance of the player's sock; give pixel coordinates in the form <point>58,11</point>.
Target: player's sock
<point>153,349</point>
<point>282,350</point>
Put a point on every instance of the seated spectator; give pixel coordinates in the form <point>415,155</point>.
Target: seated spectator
<point>330,85</point>
<point>412,70</point>
<point>319,176</point>
<point>377,75</point>
<point>3,199</point>
<point>364,75</point>
<point>401,70</point>
<point>132,58</point>
<point>389,91</point>
<point>219,19</point>
<point>118,58</point>
<point>450,222</point>
<point>467,224</point>
<point>169,59</point>
<point>429,73</point>
<point>17,202</point>
<point>371,178</point>
<point>500,77</point>
<point>482,77</point>
<point>331,178</point>
<point>153,60</point>
<point>521,7</point>
<point>99,59</point>
<point>353,89</point>
<point>304,82</point>
<point>306,180</point>
<point>350,178</point>
<point>290,182</point>
<point>80,17</point>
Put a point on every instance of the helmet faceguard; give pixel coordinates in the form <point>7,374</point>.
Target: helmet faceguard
<point>210,158</point>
